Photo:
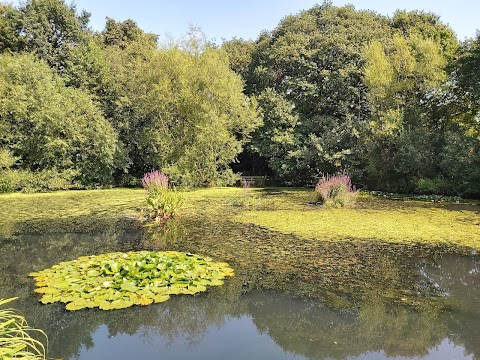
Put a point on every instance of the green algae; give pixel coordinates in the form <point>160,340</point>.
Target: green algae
<point>401,225</point>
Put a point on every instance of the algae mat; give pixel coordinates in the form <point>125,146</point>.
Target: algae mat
<point>409,225</point>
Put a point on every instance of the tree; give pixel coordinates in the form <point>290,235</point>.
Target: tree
<point>314,61</point>
<point>48,28</point>
<point>50,126</point>
<point>10,22</point>
<point>180,109</point>
<point>467,78</point>
<point>239,53</point>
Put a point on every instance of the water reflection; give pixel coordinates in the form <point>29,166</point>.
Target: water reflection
<point>263,325</point>
<point>332,301</point>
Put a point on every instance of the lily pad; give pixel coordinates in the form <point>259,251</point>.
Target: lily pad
<point>120,280</point>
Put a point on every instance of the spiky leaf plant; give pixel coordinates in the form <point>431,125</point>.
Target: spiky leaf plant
<point>16,337</point>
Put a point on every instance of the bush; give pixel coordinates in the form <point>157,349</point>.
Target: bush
<point>336,190</point>
<point>437,186</point>
<point>163,201</point>
<point>12,180</point>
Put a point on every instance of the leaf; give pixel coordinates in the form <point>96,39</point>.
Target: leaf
<point>93,273</point>
<point>118,280</point>
<point>216,282</point>
<point>76,304</point>
<point>121,304</point>
<point>144,300</point>
<point>160,298</point>
<point>48,290</point>
<point>129,286</point>
<point>48,299</point>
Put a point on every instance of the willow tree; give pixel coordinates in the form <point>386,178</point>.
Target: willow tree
<point>179,108</point>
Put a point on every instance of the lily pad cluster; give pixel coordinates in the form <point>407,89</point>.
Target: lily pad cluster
<point>120,280</point>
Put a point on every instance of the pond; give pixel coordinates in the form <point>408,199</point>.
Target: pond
<point>290,299</point>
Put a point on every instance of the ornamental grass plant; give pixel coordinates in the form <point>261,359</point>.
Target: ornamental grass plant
<point>163,200</point>
<point>336,190</point>
<point>17,339</point>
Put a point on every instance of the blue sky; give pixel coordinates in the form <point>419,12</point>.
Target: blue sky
<point>246,18</point>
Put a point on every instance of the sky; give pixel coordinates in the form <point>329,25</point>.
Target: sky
<point>226,19</point>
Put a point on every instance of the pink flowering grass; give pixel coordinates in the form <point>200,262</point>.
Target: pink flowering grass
<point>162,200</point>
<point>154,181</point>
<point>336,190</point>
<point>246,184</point>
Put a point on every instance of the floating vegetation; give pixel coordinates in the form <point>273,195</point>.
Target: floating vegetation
<point>120,280</point>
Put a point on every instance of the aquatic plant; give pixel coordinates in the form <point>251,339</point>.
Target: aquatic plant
<point>246,184</point>
<point>163,200</point>
<point>154,181</point>
<point>336,190</point>
<point>120,280</point>
<point>16,341</point>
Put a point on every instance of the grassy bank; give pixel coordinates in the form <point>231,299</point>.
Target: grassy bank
<point>73,211</point>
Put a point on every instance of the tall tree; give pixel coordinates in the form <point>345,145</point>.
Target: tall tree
<point>314,61</point>
<point>179,108</point>
<point>49,28</point>
<point>10,23</point>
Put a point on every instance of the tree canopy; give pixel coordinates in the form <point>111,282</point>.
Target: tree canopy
<point>394,101</point>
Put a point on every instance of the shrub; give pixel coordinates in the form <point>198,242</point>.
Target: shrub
<point>336,190</point>
<point>37,181</point>
<point>437,186</point>
<point>16,341</point>
<point>163,201</point>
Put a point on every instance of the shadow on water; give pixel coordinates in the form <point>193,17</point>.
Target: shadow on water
<point>464,207</point>
<point>291,297</point>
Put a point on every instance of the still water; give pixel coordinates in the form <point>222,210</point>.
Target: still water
<point>372,304</point>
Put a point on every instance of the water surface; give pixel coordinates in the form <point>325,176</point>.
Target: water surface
<point>290,299</point>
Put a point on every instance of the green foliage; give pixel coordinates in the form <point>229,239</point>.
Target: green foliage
<point>427,26</point>
<point>37,181</point>
<point>120,280</point>
<point>7,160</point>
<point>165,203</point>
<point>50,29</point>
<point>47,125</point>
<point>9,24</point>
<point>307,75</point>
<point>329,88</point>
<point>341,88</point>
<point>179,109</point>
<point>431,186</point>
<point>17,339</point>
<point>124,33</point>
<point>239,53</point>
